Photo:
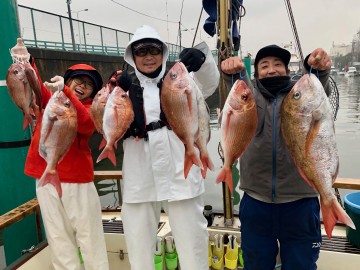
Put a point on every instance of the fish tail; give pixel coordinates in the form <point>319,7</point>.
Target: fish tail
<point>225,175</point>
<point>191,159</point>
<point>109,153</point>
<point>51,177</point>
<point>331,214</point>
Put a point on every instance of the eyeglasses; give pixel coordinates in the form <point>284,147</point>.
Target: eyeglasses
<point>87,84</point>
<point>145,51</point>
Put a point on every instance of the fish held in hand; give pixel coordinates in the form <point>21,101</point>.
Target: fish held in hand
<point>20,91</point>
<point>308,130</point>
<point>118,115</point>
<point>204,134</point>
<point>178,99</point>
<point>238,123</point>
<point>58,131</point>
<point>98,107</point>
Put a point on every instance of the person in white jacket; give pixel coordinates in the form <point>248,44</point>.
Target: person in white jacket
<point>153,163</point>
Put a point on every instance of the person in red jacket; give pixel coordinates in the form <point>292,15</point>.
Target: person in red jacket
<point>74,220</point>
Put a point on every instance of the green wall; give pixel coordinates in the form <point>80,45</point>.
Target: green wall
<point>15,187</point>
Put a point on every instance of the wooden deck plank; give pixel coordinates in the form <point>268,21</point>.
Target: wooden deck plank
<point>347,183</point>
<point>104,175</point>
<point>19,213</point>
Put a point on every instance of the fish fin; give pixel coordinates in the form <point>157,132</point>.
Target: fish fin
<point>311,135</point>
<point>332,212</point>
<point>109,153</point>
<point>191,159</point>
<point>51,177</point>
<point>225,175</point>
<point>27,120</point>
<point>207,164</point>
<point>102,143</point>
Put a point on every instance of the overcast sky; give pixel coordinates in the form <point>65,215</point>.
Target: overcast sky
<point>319,22</point>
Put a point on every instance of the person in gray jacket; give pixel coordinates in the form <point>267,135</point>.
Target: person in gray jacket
<point>278,206</point>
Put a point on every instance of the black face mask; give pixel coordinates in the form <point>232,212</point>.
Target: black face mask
<point>275,84</point>
<point>154,74</point>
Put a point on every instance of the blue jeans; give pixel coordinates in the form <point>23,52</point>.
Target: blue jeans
<point>294,225</point>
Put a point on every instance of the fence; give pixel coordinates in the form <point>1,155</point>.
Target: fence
<point>47,30</point>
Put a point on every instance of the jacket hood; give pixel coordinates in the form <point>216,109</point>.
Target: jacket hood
<point>145,32</point>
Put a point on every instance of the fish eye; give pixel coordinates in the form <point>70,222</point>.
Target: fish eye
<point>297,95</point>
<point>244,97</point>
<point>67,104</point>
<point>16,72</point>
<point>173,76</point>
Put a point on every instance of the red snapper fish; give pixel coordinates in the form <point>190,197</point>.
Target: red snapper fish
<point>204,133</point>
<point>98,107</point>
<point>179,103</point>
<point>309,133</point>
<point>238,123</point>
<point>21,83</point>
<point>58,131</point>
<point>118,115</point>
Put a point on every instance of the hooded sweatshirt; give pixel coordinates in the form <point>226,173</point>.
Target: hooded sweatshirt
<point>153,169</point>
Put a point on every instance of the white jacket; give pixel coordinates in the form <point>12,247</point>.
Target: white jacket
<point>153,170</point>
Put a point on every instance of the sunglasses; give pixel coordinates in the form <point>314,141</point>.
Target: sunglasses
<point>87,84</point>
<point>145,51</point>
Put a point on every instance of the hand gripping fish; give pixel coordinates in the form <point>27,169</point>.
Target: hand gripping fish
<point>309,133</point>
<point>238,123</point>
<point>58,131</point>
<point>178,99</point>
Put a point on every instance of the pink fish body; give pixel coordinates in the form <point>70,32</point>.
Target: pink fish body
<point>309,133</point>
<point>238,125</point>
<point>98,107</point>
<point>20,91</point>
<point>179,102</point>
<point>58,131</point>
<point>204,133</point>
<point>118,115</point>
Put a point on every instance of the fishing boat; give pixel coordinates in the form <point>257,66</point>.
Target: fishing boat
<point>335,254</point>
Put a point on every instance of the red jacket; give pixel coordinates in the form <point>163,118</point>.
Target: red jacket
<point>77,164</point>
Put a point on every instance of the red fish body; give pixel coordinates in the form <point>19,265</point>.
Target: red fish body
<point>238,125</point>
<point>20,91</point>
<point>118,115</point>
<point>58,131</point>
<point>98,107</point>
<point>308,131</point>
<point>179,102</point>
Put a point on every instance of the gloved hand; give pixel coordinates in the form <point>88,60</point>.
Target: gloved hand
<point>192,58</point>
<point>57,84</point>
<point>19,52</point>
<point>124,81</point>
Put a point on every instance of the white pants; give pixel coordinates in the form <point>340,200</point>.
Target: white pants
<point>71,222</point>
<point>188,227</point>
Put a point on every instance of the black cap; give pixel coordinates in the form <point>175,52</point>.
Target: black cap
<point>273,50</point>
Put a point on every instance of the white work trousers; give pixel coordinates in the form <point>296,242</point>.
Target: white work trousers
<point>71,222</point>
<point>188,227</point>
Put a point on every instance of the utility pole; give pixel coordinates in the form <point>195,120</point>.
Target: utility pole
<point>68,2</point>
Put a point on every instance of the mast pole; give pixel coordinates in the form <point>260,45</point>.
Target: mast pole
<point>225,50</point>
